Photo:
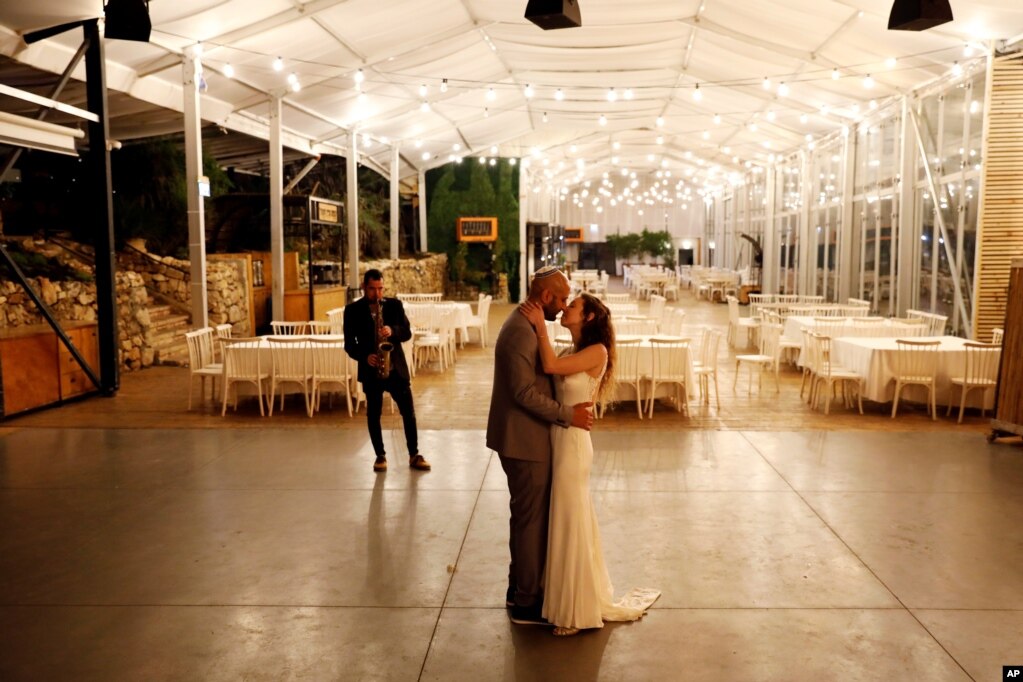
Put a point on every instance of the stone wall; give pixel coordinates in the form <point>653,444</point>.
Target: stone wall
<point>75,301</point>
<point>227,288</point>
<point>426,275</point>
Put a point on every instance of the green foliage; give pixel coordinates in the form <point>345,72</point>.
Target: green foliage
<point>34,264</point>
<point>472,189</point>
<point>624,246</point>
<point>656,244</point>
<point>150,193</point>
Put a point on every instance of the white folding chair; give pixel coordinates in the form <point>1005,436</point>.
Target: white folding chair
<point>916,362</point>
<point>330,371</point>
<point>981,372</point>
<point>767,358</point>
<point>479,320</point>
<point>200,362</point>
<point>319,328</point>
<point>827,374</point>
<point>706,368</point>
<point>670,368</point>
<point>242,365</point>
<point>736,323</point>
<point>292,364</point>
<point>627,374</point>
<point>997,334</point>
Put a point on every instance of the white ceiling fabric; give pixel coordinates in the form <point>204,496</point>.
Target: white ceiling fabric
<point>659,49</point>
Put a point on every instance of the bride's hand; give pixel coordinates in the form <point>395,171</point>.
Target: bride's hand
<point>534,313</point>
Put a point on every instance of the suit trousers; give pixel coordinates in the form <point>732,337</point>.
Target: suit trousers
<point>530,486</point>
<point>401,393</point>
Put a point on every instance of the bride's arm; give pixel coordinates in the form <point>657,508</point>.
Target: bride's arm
<point>586,360</point>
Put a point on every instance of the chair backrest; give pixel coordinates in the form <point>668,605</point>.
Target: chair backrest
<point>616,298</point>
<point>821,353</point>
<point>638,327</point>
<point>282,328</point>
<point>811,299</point>
<point>982,362</point>
<point>670,359</point>
<point>484,308</point>
<point>936,324</point>
<point>673,322</point>
<point>627,360</point>
<point>709,348</point>
<point>787,298</point>
<point>330,363</point>
<point>770,335</point>
<point>242,358</point>
<point>916,360</point>
<point>733,309</point>
<point>292,358</point>
<point>224,331</point>
<point>657,304</point>
<point>319,328</point>
<point>200,347</point>
<point>997,334</point>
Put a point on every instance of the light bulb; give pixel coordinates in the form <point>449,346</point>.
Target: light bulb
<point>783,90</point>
<point>424,106</point>
<point>612,95</point>
<point>278,64</point>
<point>491,95</point>
<point>770,115</point>
<point>767,83</point>
<point>359,76</point>
<point>418,143</point>
<point>891,62</point>
<point>486,112</point>
<point>717,119</point>
<point>957,69</point>
<point>628,93</point>
<point>835,75</point>
<point>292,78</point>
<point>528,92</point>
<point>296,86</point>
<point>425,156</point>
<point>697,95</point>
<point>868,81</point>
<point>545,117</point>
<point>444,85</point>
<point>803,118</point>
<point>559,95</point>
<point>228,70</point>
<point>422,90</point>
<point>660,121</point>
<point>602,120</point>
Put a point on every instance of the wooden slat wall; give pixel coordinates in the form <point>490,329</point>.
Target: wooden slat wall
<point>1010,384</point>
<point>1000,228</point>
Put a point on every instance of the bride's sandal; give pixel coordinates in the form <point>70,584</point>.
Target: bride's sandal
<point>565,632</point>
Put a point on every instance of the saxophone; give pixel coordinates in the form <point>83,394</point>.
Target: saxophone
<point>384,347</point>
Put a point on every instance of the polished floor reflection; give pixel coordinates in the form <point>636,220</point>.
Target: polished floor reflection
<point>277,553</point>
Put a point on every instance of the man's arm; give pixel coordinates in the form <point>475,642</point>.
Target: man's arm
<point>351,327</point>
<point>518,356</point>
<point>401,328</point>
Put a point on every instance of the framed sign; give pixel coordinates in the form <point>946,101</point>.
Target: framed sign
<point>326,213</point>
<point>477,229</point>
<point>574,235</point>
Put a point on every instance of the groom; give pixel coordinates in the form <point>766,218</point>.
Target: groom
<point>522,409</point>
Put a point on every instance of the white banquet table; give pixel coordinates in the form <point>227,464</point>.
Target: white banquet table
<point>873,358</point>
<point>794,323</point>
<point>266,358</point>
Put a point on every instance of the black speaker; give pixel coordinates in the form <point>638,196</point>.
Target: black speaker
<point>127,20</point>
<point>918,15</point>
<point>551,14</point>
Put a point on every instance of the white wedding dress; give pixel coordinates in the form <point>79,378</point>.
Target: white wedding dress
<point>577,589</point>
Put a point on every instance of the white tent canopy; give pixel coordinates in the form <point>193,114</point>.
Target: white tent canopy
<point>451,78</point>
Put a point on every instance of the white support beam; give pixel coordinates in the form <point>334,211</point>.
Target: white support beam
<point>191,73</point>
<point>352,206</point>
<point>276,211</point>
<point>769,276</point>
<point>421,189</point>
<point>908,225</point>
<point>523,246</point>
<point>395,201</point>
<point>848,275</point>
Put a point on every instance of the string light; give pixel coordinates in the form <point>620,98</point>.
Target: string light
<point>957,69</point>
<point>228,70</point>
<point>424,106</point>
<point>359,76</point>
<point>423,90</point>
<point>767,83</point>
<point>628,93</point>
<point>296,86</point>
<point>559,95</point>
<point>545,117</point>
<point>612,95</point>
<point>602,120</point>
<point>278,64</point>
<point>891,62</point>
<point>491,95</point>
<point>292,78</point>
<point>783,90</point>
<point>697,95</point>
<point>444,85</point>
<point>770,115</point>
<point>868,81</point>
<point>486,112</point>
<point>835,75</point>
<point>528,92</point>
<point>660,121</point>
<point>803,118</point>
<point>717,119</point>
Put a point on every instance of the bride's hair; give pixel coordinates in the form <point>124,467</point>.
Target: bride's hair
<point>599,330</point>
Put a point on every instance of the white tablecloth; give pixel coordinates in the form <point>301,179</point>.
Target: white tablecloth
<point>417,312</point>
<point>874,359</point>
<point>266,359</point>
<point>887,328</point>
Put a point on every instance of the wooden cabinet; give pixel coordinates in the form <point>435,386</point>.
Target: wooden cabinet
<point>38,370</point>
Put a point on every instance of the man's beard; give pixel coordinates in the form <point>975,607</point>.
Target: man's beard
<point>550,312</point>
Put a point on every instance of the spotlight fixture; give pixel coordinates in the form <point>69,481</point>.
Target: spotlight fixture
<point>127,20</point>
<point>918,15</point>
<point>554,14</point>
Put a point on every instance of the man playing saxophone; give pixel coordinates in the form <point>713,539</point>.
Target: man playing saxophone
<point>375,328</point>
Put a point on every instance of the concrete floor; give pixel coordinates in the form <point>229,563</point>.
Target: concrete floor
<point>278,554</point>
<point>141,542</point>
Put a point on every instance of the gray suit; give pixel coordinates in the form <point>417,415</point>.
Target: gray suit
<point>522,410</point>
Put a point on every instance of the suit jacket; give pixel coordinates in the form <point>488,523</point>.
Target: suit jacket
<point>361,337</point>
<point>522,407</point>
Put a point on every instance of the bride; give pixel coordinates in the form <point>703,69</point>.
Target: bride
<point>577,590</point>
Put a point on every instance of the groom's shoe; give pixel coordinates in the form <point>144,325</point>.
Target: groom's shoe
<point>509,597</point>
<point>528,615</point>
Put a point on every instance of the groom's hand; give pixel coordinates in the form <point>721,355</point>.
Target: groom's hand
<point>582,416</point>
